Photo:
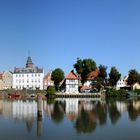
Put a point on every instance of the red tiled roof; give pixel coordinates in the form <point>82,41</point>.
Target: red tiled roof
<point>93,74</point>
<point>72,75</point>
<point>47,76</point>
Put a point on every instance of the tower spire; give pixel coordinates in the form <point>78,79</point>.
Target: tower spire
<point>29,63</point>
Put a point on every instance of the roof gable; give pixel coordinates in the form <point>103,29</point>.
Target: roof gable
<point>72,75</point>
<point>93,74</point>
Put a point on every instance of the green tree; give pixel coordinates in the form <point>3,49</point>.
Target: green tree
<point>102,72</point>
<point>57,77</point>
<point>100,81</point>
<point>114,76</point>
<point>84,67</point>
<point>133,77</point>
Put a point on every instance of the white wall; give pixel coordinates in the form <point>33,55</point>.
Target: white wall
<point>72,85</point>
<point>28,80</point>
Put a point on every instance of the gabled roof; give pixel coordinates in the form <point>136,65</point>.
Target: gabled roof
<point>135,84</point>
<point>48,75</point>
<point>93,74</point>
<point>72,75</point>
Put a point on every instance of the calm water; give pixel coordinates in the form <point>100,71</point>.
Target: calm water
<point>67,119</point>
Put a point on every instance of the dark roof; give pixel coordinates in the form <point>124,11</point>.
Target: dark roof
<point>28,70</point>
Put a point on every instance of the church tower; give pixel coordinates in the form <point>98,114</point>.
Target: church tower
<point>29,63</point>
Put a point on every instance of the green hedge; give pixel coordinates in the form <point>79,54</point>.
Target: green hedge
<point>116,93</point>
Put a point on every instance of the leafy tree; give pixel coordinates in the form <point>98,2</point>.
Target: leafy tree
<point>57,77</point>
<point>99,81</point>
<point>133,77</point>
<point>102,71</point>
<point>51,90</point>
<point>114,76</point>
<point>84,67</point>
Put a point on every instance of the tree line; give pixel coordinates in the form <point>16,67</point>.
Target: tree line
<point>85,66</point>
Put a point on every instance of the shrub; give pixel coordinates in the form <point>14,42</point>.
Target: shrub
<point>51,90</point>
<point>116,93</point>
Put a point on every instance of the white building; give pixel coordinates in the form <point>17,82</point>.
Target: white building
<point>72,83</point>
<point>29,77</point>
<point>121,84</point>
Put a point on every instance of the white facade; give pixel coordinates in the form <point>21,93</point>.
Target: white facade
<point>121,83</point>
<point>28,80</point>
<point>72,85</point>
<point>29,77</point>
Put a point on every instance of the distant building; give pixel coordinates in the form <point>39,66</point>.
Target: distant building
<point>29,77</point>
<point>72,83</point>
<point>1,82</point>
<point>136,86</point>
<point>7,78</point>
<point>122,83</point>
<point>87,85</point>
<point>47,80</point>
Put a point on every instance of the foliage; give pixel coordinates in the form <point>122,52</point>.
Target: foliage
<point>51,90</point>
<point>84,67</point>
<point>137,91</point>
<point>102,70</point>
<point>116,93</point>
<point>99,82</point>
<point>133,77</point>
<point>114,76</point>
<point>57,77</point>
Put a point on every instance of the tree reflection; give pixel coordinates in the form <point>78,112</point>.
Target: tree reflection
<point>101,112</point>
<point>58,113</point>
<point>113,113</point>
<point>133,110</point>
<point>85,123</point>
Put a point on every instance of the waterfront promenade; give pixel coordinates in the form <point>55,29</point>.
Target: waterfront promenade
<point>77,95</point>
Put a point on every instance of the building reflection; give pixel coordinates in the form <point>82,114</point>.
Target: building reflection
<point>87,114</point>
<point>84,113</point>
<point>20,110</point>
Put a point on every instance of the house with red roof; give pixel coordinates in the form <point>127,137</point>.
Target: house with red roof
<point>47,80</point>
<point>72,83</point>
<point>87,85</point>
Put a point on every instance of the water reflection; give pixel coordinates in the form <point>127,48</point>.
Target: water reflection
<point>87,114</point>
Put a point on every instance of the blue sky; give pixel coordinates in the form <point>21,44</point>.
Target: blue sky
<point>56,32</point>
